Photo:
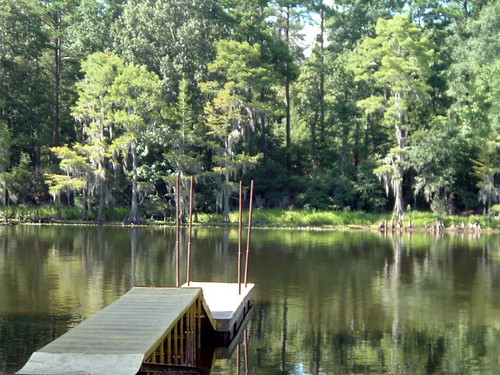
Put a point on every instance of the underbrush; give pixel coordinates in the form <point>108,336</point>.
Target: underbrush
<point>261,217</point>
<point>57,212</point>
<point>312,218</point>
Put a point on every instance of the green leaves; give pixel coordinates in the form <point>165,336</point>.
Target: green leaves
<point>475,85</point>
<point>224,89</point>
<point>486,168</point>
<point>116,106</point>
<point>5,141</point>
<point>395,64</point>
<point>398,58</point>
<point>240,67</point>
<point>233,108</point>
<point>89,29</point>
<point>59,184</point>
<point>175,39</point>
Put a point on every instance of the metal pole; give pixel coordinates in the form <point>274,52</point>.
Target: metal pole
<point>191,198</point>
<point>250,213</point>
<point>177,231</point>
<point>240,237</point>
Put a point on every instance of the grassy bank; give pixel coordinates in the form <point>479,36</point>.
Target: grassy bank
<point>299,218</point>
<point>261,218</point>
<point>56,212</point>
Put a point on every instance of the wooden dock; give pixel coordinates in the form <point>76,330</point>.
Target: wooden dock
<point>227,306</point>
<point>146,328</point>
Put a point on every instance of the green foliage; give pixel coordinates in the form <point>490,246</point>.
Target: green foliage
<point>174,39</point>
<point>424,219</point>
<point>89,29</point>
<point>94,112</point>
<point>302,218</point>
<point>22,186</point>
<point>396,65</point>
<point>280,218</point>
<point>352,20</point>
<point>117,104</point>
<point>25,96</point>
<point>438,157</point>
<point>62,184</point>
<point>408,89</point>
<point>183,140</point>
<point>48,213</point>
<point>475,85</point>
<point>277,187</point>
<point>155,207</point>
<point>230,113</point>
<point>5,142</point>
<point>487,168</point>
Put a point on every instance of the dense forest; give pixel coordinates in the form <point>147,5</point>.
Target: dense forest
<point>367,105</point>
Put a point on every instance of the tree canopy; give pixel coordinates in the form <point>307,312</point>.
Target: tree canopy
<point>104,102</point>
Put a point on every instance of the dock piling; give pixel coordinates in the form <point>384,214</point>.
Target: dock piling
<point>177,232</point>
<point>191,199</point>
<point>250,213</point>
<point>240,237</point>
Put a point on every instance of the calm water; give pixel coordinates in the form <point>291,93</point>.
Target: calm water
<point>325,303</point>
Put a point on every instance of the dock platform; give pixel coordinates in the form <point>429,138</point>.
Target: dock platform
<point>227,306</point>
<point>143,328</point>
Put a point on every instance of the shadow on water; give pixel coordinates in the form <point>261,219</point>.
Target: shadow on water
<point>325,303</point>
<point>208,355</point>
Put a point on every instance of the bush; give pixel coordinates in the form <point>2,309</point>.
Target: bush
<point>154,207</point>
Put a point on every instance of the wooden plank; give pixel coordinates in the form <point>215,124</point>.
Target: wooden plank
<point>82,364</point>
<point>135,323</point>
<point>121,336</point>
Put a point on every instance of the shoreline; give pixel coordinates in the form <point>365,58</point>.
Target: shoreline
<point>276,226</point>
<point>268,218</point>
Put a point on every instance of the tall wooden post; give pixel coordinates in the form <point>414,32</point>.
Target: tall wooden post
<point>240,237</point>
<point>250,213</point>
<point>177,231</point>
<point>191,198</point>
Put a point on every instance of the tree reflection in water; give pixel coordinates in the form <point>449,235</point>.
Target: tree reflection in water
<point>325,302</point>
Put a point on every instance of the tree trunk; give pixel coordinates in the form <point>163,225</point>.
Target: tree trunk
<point>322,74</point>
<point>263,140</point>
<point>57,85</point>
<point>101,215</point>
<point>398,177</point>
<point>226,194</point>
<point>85,204</point>
<point>287,93</point>
<point>398,162</point>
<point>356,153</point>
<point>314,141</point>
<point>398,195</point>
<point>288,122</point>
<point>134,217</point>
<point>344,151</point>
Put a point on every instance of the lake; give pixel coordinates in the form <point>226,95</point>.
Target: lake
<point>325,302</point>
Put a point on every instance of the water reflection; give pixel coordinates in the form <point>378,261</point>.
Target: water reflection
<point>325,303</point>
<point>396,304</point>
